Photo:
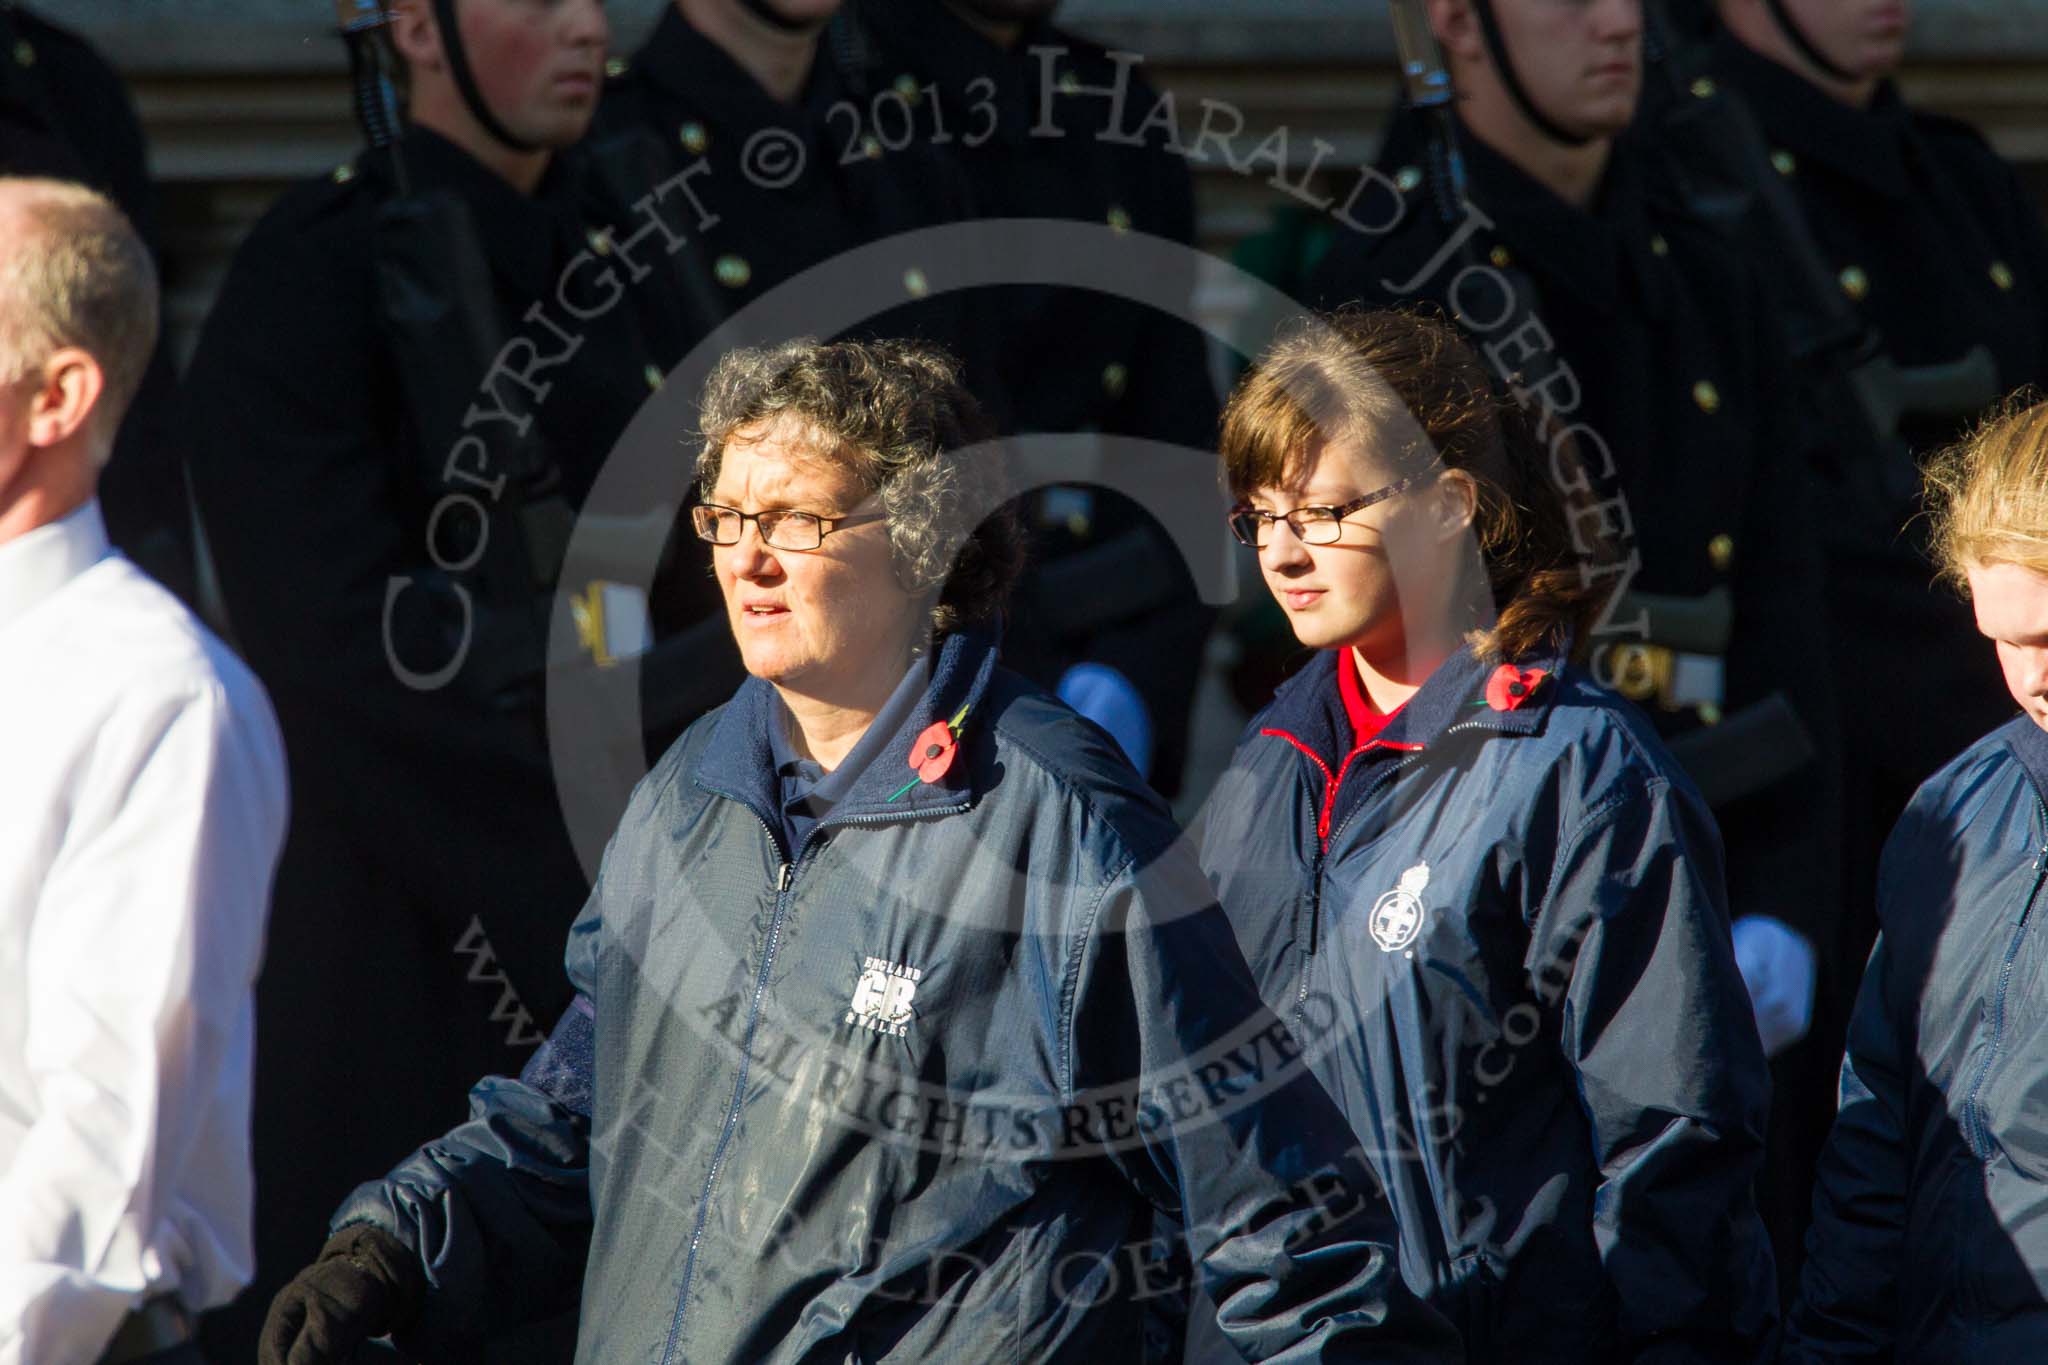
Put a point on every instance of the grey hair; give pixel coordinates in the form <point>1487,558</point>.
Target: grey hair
<point>897,416</point>
<point>80,276</point>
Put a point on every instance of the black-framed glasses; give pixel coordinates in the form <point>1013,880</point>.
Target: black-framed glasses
<point>1311,525</point>
<point>780,528</point>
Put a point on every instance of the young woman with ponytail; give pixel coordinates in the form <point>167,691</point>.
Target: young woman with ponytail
<point>1486,900</point>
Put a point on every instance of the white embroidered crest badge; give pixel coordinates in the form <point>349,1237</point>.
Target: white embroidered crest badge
<point>1397,916</point>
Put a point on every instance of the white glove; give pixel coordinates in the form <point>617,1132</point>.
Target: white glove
<point>1107,697</point>
<point>1777,966</point>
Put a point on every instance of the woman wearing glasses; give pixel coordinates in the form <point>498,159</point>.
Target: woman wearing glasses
<point>1473,882</point>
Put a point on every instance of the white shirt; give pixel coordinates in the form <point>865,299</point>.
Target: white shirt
<point>142,805</point>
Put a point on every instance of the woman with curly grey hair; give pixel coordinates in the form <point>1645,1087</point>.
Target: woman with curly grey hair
<point>879,526</point>
<point>901,1005</point>
<point>898,422</point>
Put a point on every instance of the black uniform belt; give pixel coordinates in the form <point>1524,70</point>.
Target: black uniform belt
<point>1678,662</point>
<point>161,1324</point>
<point>1674,679</point>
<point>1681,665</point>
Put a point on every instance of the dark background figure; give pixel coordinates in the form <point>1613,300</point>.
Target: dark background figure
<point>372,531</point>
<point>1108,614</point>
<point>1691,20</point>
<point>64,112</point>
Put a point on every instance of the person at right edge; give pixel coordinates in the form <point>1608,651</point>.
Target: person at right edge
<point>1473,879</point>
<point>1939,250</point>
<point>1645,337</point>
<point>1929,1242</point>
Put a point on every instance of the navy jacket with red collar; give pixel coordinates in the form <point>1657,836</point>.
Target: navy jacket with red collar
<point>1502,936</point>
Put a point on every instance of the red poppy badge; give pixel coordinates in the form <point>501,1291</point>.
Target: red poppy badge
<point>1510,686</point>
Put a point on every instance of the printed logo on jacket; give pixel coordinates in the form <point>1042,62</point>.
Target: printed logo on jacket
<point>882,996</point>
<point>1397,916</point>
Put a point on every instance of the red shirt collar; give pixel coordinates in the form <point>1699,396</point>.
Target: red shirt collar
<point>1366,720</point>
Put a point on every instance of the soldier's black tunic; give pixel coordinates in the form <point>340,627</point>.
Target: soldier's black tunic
<point>792,185</point>
<point>65,113</point>
<point>1680,373</point>
<point>427,872</point>
<point>1072,360</point>
<point>54,84</point>
<point>1941,249</point>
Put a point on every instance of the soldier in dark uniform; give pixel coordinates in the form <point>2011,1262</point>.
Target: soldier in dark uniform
<point>763,94</point>
<point>1656,348</point>
<point>1941,249</point>
<point>65,113</point>
<point>1071,360</point>
<point>382,485</point>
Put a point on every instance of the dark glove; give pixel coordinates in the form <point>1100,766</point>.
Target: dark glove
<point>366,1283</point>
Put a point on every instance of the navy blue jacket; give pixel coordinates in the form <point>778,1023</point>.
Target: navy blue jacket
<point>911,1091</point>
<point>1930,1216</point>
<point>1502,937</point>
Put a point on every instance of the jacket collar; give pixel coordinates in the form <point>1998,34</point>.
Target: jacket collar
<point>1308,711</point>
<point>832,787</point>
<point>739,762</point>
<point>2029,743</point>
<point>1866,145</point>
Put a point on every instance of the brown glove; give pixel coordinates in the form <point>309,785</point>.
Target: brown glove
<point>365,1283</point>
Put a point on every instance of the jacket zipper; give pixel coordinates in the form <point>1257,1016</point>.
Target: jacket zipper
<point>1978,1129</point>
<point>785,874</point>
<point>1315,880</point>
<point>1332,783</point>
<point>1324,834</point>
<point>785,878</point>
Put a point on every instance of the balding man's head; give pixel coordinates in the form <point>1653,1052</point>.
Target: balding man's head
<point>74,278</point>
